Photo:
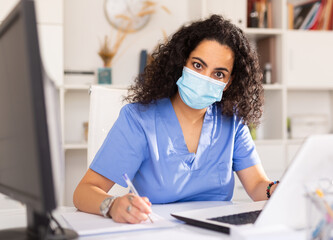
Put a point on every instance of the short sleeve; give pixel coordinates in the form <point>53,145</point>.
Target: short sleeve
<point>245,153</point>
<point>124,148</point>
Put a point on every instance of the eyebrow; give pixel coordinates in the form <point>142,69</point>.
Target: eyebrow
<point>205,64</point>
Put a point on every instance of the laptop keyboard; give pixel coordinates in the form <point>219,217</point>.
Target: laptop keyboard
<point>238,219</point>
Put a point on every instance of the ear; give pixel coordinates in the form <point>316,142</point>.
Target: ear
<point>229,83</point>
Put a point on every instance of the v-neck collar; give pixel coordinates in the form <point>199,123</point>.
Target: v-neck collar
<point>172,123</point>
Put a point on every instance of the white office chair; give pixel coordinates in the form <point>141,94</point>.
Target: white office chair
<point>105,105</point>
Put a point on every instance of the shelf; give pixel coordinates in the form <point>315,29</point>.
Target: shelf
<point>115,86</point>
<point>273,86</point>
<point>263,31</point>
<point>309,31</point>
<point>76,87</point>
<point>321,87</point>
<point>269,142</point>
<point>258,33</point>
<point>297,141</point>
<point>87,86</point>
<point>75,146</point>
<point>289,141</point>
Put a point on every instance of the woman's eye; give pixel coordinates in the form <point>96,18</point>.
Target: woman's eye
<point>219,75</point>
<point>197,65</point>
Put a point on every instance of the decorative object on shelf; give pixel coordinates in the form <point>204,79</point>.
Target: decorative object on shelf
<point>104,75</point>
<point>253,17</point>
<point>130,15</point>
<point>268,73</point>
<point>289,127</point>
<point>256,132</point>
<point>259,13</point>
<point>107,54</point>
<point>143,60</point>
<point>303,125</point>
<point>127,16</point>
<point>85,128</point>
<point>146,58</point>
<point>253,132</point>
<point>267,58</point>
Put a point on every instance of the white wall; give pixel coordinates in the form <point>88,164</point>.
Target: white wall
<point>85,25</point>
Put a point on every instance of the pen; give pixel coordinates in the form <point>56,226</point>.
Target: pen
<point>132,189</point>
<point>327,206</point>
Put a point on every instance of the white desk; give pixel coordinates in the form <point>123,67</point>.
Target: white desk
<point>15,217</point>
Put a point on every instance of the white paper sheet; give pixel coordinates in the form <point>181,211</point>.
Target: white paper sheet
<point>90,224</point>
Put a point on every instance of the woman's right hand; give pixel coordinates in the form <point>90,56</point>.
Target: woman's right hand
<point>130,209</point>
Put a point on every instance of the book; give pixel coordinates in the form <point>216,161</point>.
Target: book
<point>330,26</point>
<point>310,16</point>
<point>328,13</point>
<point>301,12</point>
<point>314,24</point>
<point>330,23</point>
<point>262,13</point>
<point>269,14</point>
<point>290,16</point>
<point>322,16</point>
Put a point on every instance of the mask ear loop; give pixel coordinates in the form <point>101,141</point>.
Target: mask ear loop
<point>226,85</point>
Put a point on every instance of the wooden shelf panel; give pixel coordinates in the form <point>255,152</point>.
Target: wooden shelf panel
<point>75,146</point>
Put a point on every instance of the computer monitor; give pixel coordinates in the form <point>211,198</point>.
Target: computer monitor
<point>29,131</point>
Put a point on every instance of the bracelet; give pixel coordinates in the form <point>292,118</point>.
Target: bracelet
<point>268,190</point>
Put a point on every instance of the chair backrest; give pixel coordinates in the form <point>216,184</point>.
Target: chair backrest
<point>105,105</point>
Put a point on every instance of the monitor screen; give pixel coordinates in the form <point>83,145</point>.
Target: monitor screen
<point>28,129</point>
<point>23,132</point>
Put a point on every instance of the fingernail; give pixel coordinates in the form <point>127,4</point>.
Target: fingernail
<point>144,210</point>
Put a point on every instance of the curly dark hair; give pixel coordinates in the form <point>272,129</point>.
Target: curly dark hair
<point>244,97</point>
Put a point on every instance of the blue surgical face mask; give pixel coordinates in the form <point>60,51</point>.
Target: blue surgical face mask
<point>199,91</point>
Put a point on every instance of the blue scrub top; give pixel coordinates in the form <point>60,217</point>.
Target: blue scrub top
<point>147,143</point>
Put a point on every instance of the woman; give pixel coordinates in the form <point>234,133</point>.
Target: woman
<point>186,129</point>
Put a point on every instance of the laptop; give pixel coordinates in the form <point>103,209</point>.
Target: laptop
<point>287,206</point>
